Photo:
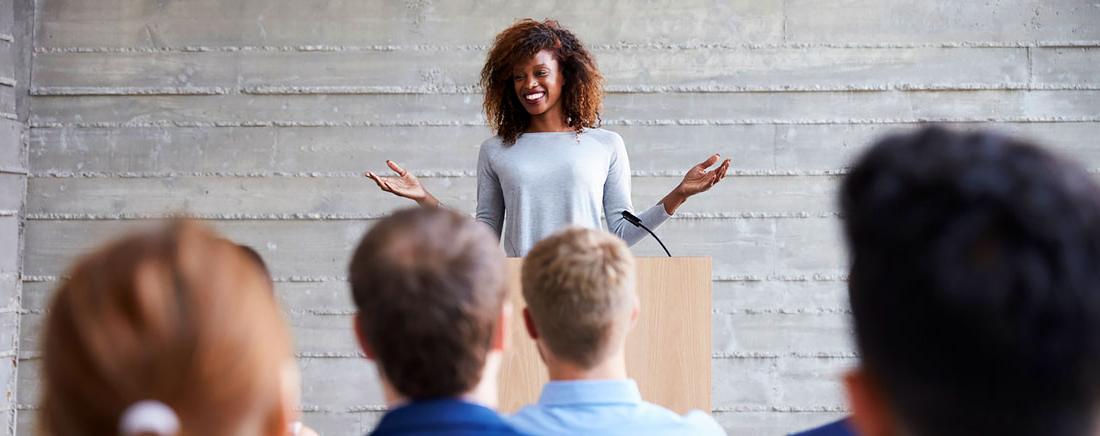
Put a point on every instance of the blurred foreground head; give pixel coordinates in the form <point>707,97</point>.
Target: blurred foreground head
<point>975,287</point>
<point>177,316</point>
<point>429,287</point>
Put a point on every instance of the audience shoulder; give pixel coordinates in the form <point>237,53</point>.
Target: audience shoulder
<point>695,422</point>
<point>703,424</point>
<point>654,418</point>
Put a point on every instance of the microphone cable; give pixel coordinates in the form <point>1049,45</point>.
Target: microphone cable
<point>630,218</point>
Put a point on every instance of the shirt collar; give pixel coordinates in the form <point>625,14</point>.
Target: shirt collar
<point>561,393</point>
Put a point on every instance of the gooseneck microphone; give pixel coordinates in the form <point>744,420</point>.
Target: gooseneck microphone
<point>630,218</point>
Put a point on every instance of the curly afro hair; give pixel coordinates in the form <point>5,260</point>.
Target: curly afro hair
<point>582,90</point>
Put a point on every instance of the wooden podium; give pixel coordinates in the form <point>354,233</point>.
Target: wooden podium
<point>668,353</point>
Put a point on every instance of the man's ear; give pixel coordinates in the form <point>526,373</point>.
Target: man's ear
<point>871,414</point>
<point>529,323</point>
<point>363,343</point>
<point>504,327</point>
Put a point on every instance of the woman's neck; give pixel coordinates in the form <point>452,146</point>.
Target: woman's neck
<point>552,120</point>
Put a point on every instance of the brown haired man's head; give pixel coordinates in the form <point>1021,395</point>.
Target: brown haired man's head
<point>429,287</point>
<point>536,67</point>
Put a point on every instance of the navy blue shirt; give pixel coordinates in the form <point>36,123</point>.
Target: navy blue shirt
<point>445,416</point>
<point>839,428</point>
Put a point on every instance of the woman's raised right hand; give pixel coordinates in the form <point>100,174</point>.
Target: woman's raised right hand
<point>404,185</point>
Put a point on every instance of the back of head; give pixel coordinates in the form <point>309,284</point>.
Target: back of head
<point>975,283</point>
<point>178,316</point>
<point>429,287</point>
<point>579,289</point>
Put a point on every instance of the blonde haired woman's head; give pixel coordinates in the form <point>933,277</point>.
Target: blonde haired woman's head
<point>178,317</point>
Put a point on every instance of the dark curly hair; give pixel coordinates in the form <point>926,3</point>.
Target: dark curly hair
<point>582,92</point>
<point>974,283</point>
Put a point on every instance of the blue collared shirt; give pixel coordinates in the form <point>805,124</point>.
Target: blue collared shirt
<point>444,416</point>
<point>606,407</point>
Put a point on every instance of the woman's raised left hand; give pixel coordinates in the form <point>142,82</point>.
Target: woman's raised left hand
<point>698,179</point>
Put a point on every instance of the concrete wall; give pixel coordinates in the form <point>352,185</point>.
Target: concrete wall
<point>14,70</point>
<point>260,116</point>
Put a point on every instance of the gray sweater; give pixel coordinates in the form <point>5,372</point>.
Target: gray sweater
<point>547,181</point>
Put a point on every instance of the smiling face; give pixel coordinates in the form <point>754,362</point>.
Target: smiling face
<point>538,83</point>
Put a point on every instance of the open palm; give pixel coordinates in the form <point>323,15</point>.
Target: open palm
<point>698,179</point>
<point>404,185</point>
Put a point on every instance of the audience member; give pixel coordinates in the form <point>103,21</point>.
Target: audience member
<point>581,304</point>
<point>429,285</point>
<point>171,332</point>
<point>974,287</point>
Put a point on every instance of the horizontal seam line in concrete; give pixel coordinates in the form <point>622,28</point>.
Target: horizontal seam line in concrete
<point>338,313</point>
<point>31,356</point>
<point>8,213</point>
<point>350,410</point>
<point>330,354</point>
<point>379,408</point>
<point>65,174</point>
<point>40,91</point>
<point>7,81</point>
<point>54,126</point>
<point>26,278</point>
<point>231,174</point>
<point>16,171</point>
<point>649,122</point>
<point>280,279</point>
<point>718,355</point>
<point>323,312</point>
<point>781,278</point>
<point>61,91</point>
<point>781,409</point>
<point>748,312</point>
<point>307,216</point>
<point>598,47</point>
<point>7,37</point>
<point>784,311</point>
<point>9,116</point>
<point>369,408</point>
<point>316,408</point>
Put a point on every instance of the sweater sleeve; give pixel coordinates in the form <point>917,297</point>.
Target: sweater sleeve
<point>616,199</point>
<point>490,196</point>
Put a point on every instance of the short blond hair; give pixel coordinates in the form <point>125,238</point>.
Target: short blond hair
<point>579,289</point>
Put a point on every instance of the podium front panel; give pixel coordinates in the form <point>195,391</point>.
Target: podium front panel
<point>668,352</point>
